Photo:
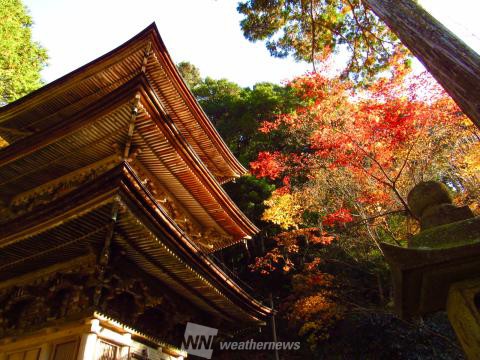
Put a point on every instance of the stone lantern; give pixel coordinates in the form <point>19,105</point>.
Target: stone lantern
<point>440,268</point>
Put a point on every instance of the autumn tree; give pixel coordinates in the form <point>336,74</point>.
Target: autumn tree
<point>385,140</point>
<point>322,202</point>
<point>345,164</point>
<point>21,58</point>
<point>311,29</point>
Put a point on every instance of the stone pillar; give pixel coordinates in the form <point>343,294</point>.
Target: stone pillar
<point>449,227</point>
<point>450,61</point>
<point>463,309</point>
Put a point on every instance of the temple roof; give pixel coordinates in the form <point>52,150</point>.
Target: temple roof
<point>92,134</point>
<point>123,132</point>
<point>74,224</point>
<point>143,54</point>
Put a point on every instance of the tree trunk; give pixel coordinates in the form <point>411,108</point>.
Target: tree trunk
<point>451,62</point>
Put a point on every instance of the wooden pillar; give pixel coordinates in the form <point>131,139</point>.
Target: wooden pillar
<point>450,61</point>
<point>125,350</point>
<point>274,327</point>
<point>45,351</point>
<point>87,347</point>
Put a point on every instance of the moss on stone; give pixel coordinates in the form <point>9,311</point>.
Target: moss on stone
<point>426,194</point>
<point>446,236</point>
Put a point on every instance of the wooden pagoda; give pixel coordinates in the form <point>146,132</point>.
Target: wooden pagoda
<point>110,205</point>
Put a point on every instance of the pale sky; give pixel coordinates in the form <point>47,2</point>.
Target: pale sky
<point>204,32</point>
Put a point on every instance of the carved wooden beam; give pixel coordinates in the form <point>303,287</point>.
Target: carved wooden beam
<point>105,254</point>
<point>148,50</point>
<point>16,132</point>
<point>131,126</point>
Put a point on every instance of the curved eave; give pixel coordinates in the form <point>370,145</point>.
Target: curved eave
<point>61,84</point>
<point>205,183</point>
<point>121,183</point>
<point>188,250</point>
<point>196,164</point>
<point>229,167</point>
<point>194,106</point>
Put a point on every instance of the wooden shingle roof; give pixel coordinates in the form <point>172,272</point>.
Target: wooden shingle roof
<point>75,223</point>
<point>78,123</point>
<point>143,54</point>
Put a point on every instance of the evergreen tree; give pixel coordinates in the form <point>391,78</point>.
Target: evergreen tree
<point>190,73</point>
<point>21,59</point>
<point>311,30</point>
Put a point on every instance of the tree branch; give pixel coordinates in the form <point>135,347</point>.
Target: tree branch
<point>312,20</point>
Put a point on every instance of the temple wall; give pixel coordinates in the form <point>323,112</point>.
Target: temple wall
<point>49,315</point>
<point>91,340</point>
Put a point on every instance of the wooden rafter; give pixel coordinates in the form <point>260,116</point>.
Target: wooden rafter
<point>114,69</point>
<point>165,237</point>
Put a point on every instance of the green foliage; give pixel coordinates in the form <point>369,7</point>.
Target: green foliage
<point>249,193</point>
<point>236,112</point>
<point>218,98</point>
<point>21,59</point>
<point>309,30</point>
<point>190,73</point>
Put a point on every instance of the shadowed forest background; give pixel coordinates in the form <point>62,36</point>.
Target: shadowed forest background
<point>331,166</point>
<point>332,156</point>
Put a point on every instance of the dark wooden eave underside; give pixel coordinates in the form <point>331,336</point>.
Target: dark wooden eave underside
<point>150,238</point>
<point>24,159</point>
<point>145,53</point>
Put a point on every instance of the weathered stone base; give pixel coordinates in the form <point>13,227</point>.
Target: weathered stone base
<point>95,337</point>
<point>463,308</point>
